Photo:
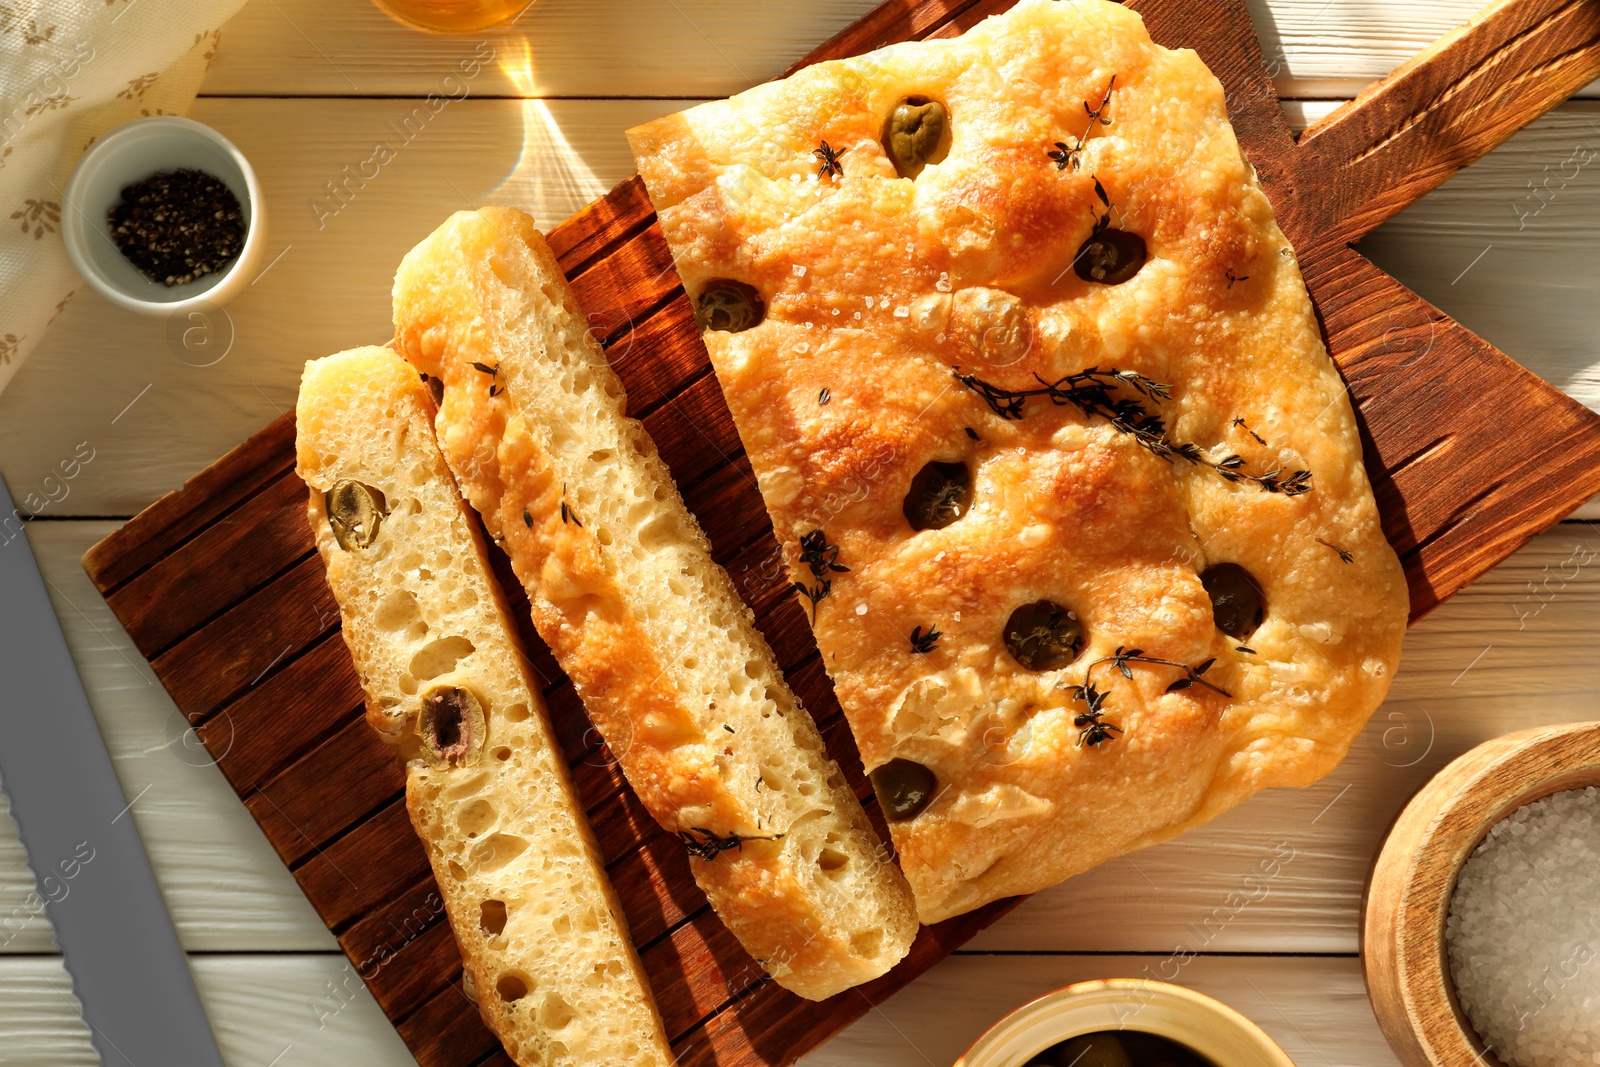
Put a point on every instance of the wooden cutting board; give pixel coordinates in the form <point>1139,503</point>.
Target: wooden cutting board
<point>219,584</point>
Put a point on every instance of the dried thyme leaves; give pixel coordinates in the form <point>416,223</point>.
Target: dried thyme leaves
<point>1100,393</point>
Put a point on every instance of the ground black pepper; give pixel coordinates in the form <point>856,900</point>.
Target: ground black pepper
<point>176,227</point>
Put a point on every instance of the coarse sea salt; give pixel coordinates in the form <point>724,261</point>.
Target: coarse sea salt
<point>1524,934</point>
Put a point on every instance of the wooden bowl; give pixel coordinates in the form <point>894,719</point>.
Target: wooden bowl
<point>1408,897</point>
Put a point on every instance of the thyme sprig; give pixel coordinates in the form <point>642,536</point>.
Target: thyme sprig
<point>708,845</point>
<point>924,643</point>
<point>1120,659</point>
<point>1070,155</point>
<point>1095,393</point>
<point>495,388</point>
<point>830,158</point>
<point>1093,730</point>
<point>1344,553</point>
<point>822,559</point>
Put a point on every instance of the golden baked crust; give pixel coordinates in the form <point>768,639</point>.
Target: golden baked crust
<point>877,288</point>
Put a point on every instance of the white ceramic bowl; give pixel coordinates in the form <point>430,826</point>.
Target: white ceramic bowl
<point>134,151</point>
<point>1211,1029</point>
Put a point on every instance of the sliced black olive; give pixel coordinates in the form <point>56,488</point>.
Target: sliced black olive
<point>1110,257</point>
<point>355,511</point>
<point>451,725</point>
<point>729,306</point>
<point>914,133</point>
<point>1237,605</point>
<point>940,494</point>
<point>903,788</point>
<point>1044,635</point>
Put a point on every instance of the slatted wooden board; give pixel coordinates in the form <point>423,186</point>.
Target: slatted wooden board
<point>219,585</point>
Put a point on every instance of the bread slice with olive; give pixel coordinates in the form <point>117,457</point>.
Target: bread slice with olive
<point>541,935</point>
<point>623,589</point>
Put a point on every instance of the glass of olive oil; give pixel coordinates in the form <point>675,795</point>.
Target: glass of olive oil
<point>453,16</point>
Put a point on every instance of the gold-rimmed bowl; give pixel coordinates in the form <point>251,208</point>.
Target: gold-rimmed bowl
<point>1194,1020</point>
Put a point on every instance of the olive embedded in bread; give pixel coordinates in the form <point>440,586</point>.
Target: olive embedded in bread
<point>1043,635</point>
<point>729,306</point>
<point>355,511</point>
<point>904,787</point>
<point>914,134</point>
<point>1110,257</point>
<point>1237,605</point>
<point>940,494</point>
<point>451,725</point>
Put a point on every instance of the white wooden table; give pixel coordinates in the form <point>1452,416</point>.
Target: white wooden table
<point>306,88</point>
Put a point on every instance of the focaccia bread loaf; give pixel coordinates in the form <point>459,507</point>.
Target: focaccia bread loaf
<point>541,935</point>
<point>623,589</point>
<point>1008,329</point>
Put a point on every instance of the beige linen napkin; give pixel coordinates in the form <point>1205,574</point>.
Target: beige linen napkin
<point>69,71</point>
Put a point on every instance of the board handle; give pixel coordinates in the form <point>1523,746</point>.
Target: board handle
<point>1448,106</point>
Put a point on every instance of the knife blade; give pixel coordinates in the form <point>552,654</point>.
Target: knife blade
<point>130,974</point>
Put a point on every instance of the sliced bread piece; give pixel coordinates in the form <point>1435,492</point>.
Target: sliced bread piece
<point>446,681</point>
<point>665,656</point>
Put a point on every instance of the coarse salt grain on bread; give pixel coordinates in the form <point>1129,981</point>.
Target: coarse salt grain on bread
<point>623,589</point>
<point>541,936</point>
<point>1067,357</point>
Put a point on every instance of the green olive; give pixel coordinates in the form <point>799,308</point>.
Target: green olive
<point>1094,1050</point>
<point>1237,605</point>
<point>903,788</point>
<point>1044,635</point>
<point>451,725</point>
<point>728,306</point>
<point>1110,257</point>
<point>355,511</point>
<point>914,134</point>
<point>940,494</point>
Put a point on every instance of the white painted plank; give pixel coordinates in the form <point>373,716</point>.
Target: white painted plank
<point>330,289</point>
<point>265,1007</point>
<point>224,885</point>
<point>304,1010</point>
<point>227,890</point>
<point>1315,48</point>
<point>1509,248</point>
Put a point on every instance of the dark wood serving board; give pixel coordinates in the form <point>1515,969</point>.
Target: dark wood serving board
<point>219,585</point>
